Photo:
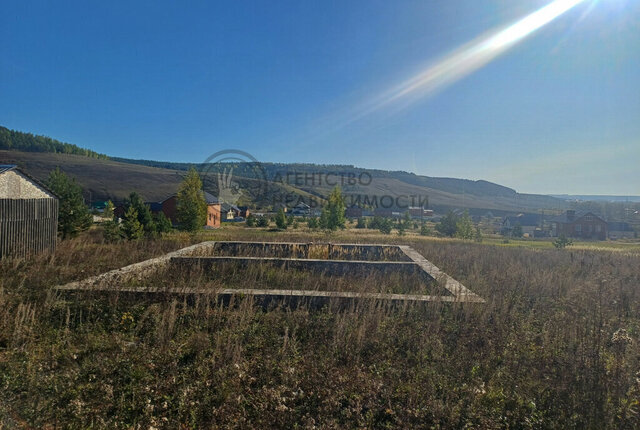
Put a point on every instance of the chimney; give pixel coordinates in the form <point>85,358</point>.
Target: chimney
<point>571,214</point>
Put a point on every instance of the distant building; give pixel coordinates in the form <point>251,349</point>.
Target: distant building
<point>99,206</point>
<point>383,212</point>
<point>585,225</point>
<point>169,207</point>
<point>244,211</point>
<point>301,209</point>
<point>528,222</point>
<point>28,214</point>
<point>419,213</point>
<point>620,230</point>
<point>353,212</point>
<point>229,212</point>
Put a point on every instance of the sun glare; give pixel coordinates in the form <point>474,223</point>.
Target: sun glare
<point>470,57</point>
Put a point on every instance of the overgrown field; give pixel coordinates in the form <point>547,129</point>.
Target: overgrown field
<point>555,346</point>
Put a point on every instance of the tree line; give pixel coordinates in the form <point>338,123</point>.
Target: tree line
<point>27,142</point>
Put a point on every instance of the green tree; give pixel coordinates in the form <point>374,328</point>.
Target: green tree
<point>191,210</point>
<point>263,221</point>
<point>332,217</point>
<point>407,220</point>
<point>108,210</point>
<point>112,231</point>
<point>361,223</point>
<point>145,218</point>
<point>281,220</point>
<point>162,223</point>
<point>425,230</point>
<point>464,227</point>
<point>385,226</point>
<point>131,227</point>
<point>478,235</point>
<point>448,224</point>
<point>251,221</point>
<point>73,214</point>
<point>312,222</point>
<point>516,231</point>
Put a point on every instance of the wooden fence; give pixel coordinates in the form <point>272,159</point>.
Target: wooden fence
<point>27,226</point>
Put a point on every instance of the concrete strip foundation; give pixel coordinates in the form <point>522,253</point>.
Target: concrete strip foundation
<point>290,256</point>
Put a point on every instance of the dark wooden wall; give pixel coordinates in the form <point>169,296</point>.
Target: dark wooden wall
<point>27,226</point>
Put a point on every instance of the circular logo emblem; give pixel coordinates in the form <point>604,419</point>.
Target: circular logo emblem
<point>232,174</point>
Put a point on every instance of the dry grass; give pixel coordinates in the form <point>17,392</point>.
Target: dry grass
<point>555,346</point>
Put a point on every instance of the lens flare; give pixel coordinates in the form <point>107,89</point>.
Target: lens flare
<point>469,58</point>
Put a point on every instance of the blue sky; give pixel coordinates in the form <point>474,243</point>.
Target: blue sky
<point>559,112</point>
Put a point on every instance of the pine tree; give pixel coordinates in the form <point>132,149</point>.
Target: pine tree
<point>131,227</point>
<point>108,210</point>
<point>73,214</point>
<point>191,210</point>
<point>281,220</point>
<point>464,227</point>
<point>448,224</point>
<point>145,218</point>
<point>162,223</point>
<point>332,217</point>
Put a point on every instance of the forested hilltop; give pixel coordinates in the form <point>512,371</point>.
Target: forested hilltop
<point>20,141</point>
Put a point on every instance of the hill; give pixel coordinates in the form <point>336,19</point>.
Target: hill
<point>110,179</point>
<point>104,177</point>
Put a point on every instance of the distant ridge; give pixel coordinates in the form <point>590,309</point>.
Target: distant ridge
<point>104,177</point>
<point>596,198</point>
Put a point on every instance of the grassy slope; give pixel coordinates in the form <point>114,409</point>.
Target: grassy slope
<point>106,179</point>
<point>545,351</point>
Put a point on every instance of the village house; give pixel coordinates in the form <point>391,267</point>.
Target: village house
<point>229,212</point>
<point>301,209</point>
<point>419,212</point>
<point>244,212</point>
<point>28,214</point>
<point>528,222</point>
<point>169,207</point>
<point>353,212</point>
<point>585,225</point>
<point>620,230</point>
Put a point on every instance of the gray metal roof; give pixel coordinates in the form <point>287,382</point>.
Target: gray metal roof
<point>7,167</point>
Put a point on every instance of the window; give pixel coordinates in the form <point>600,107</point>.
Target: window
<point>598,228</point>
<point>578,227</point>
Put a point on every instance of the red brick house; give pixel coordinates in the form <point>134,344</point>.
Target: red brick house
<point>169,207</point>
<point>584,225</point>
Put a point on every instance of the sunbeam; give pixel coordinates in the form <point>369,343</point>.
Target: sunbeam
<point>468,58</point>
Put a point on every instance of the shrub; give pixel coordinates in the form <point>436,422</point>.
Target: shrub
<point>112,231</point>
<point>162,223</point>
<point>263,221</point>
<point>251,221</point>
<point>385,226</point>
<point>562,242</point>
<point>425,230</point>
<point>361,223</point>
